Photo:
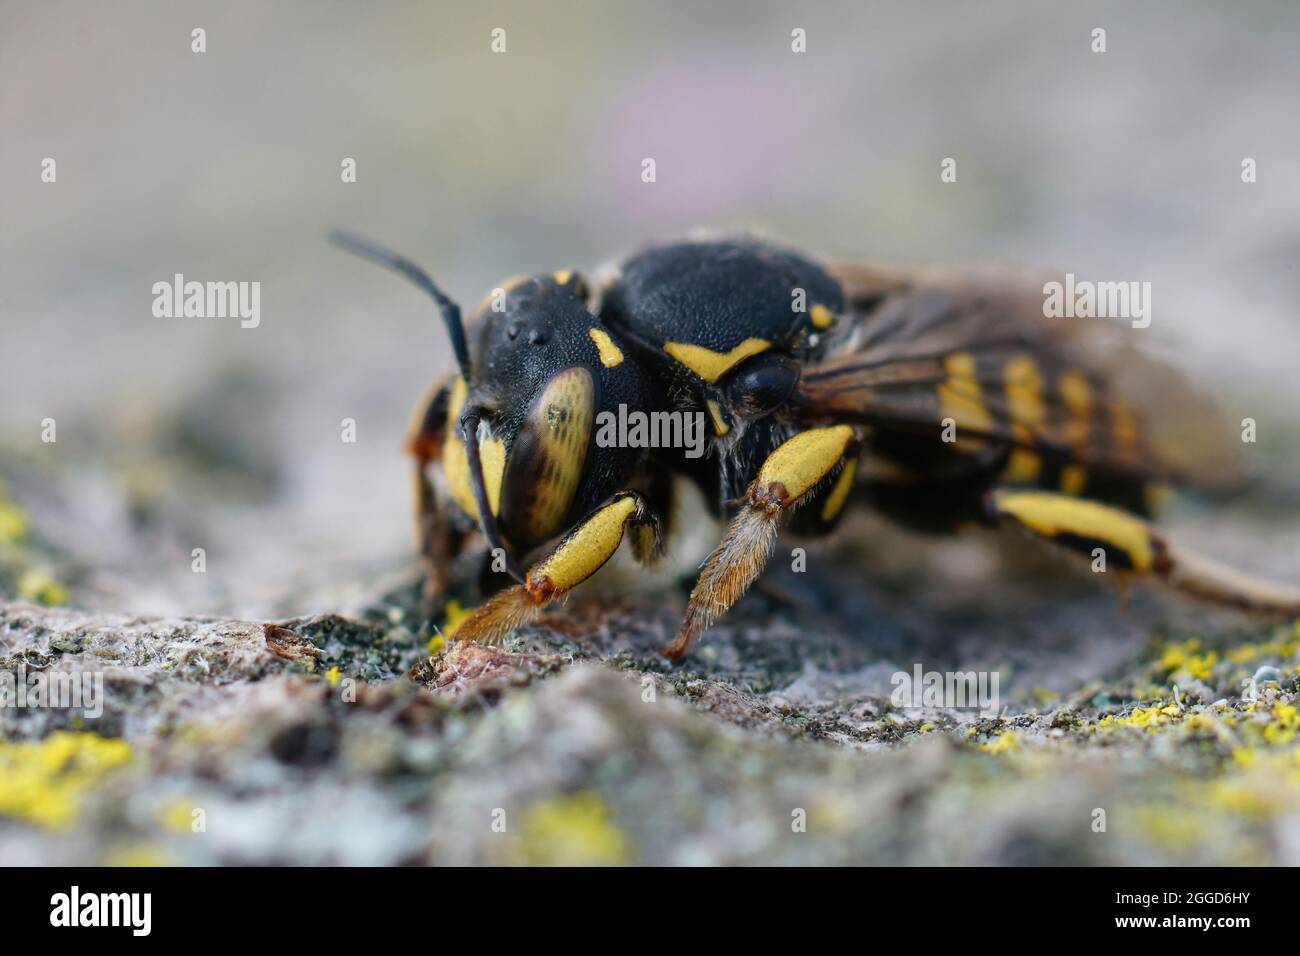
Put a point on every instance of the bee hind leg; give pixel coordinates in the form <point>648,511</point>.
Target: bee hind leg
<point>1133,546</point>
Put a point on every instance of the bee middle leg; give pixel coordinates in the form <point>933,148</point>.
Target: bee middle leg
<point>1134,546</point>
<point>785,480</point>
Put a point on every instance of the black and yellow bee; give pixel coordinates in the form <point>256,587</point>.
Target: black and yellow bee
<point>939,399</point>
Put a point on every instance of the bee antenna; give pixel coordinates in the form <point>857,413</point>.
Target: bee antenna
<point>469,422</point>
<point>405,267</point>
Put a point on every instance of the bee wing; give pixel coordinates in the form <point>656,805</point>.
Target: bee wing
<point>975,347</point>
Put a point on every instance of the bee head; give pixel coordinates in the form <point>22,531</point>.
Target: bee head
<point>521,456</point>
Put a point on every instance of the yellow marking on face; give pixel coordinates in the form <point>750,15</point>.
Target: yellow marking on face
<point>1076,395</point>
<point>960,399</point>
<point>1124,428</point>
<point>560,426</point>
<point>803,460</point>
<point>492,453</point>
<point>1074,478</point>
<point>1023,467</point>
<point>581,554</point>
<point>562,276</point>
<point>720,426</point>
<point>456,401</point>
<point>710,365</point>
<point>611,356</point>
<point>455,466</point>
<point>834,502</point>
<point>1051,515</point>
<point>821,317</point>
<point>455,463</point>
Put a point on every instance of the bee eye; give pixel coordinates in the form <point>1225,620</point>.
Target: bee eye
<point>763,385</point>
<point>548,456</point>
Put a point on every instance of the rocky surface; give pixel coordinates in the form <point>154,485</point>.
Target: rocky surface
<point>358,740</point>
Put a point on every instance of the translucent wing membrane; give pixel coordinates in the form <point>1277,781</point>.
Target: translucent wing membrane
<point>975,351</point>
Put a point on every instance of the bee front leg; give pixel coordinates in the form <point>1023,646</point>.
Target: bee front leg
<point>439,540</point>
<point>1133,546</point>
<point>785,480</point>
<point>577,557</point>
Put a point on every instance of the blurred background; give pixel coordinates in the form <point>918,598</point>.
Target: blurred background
<point>175,434</point>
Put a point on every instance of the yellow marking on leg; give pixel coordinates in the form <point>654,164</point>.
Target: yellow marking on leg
<point>1198,575</point>
<point>798,464</point>
<point>834,502</point>
<point>821,317</point>
<point>576,558</point>
<point>1074,478</point>
<point>1051,515</point>
<point>582,553</point>
<point>710,365</point>
<point>785,477</point>
<point>1023,467</point>
<point>960,399</point>
<point>611,356</point>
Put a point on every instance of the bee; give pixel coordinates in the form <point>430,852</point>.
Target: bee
<point>939,398</point>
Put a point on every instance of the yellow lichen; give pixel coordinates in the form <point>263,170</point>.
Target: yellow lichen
<point>141,854</point>
<point>1284,644</point>
<point>1240,797</point>
<point>43,782</point>
<point>1282,725</point>
<point>1186,659</point>
<point>177,816</point>
<point>40,586</point>
<point>1003,743</point>
<point>1173,827</point>
<point>13,523</point>
<point>456,615</point>
<point>576,830</point>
